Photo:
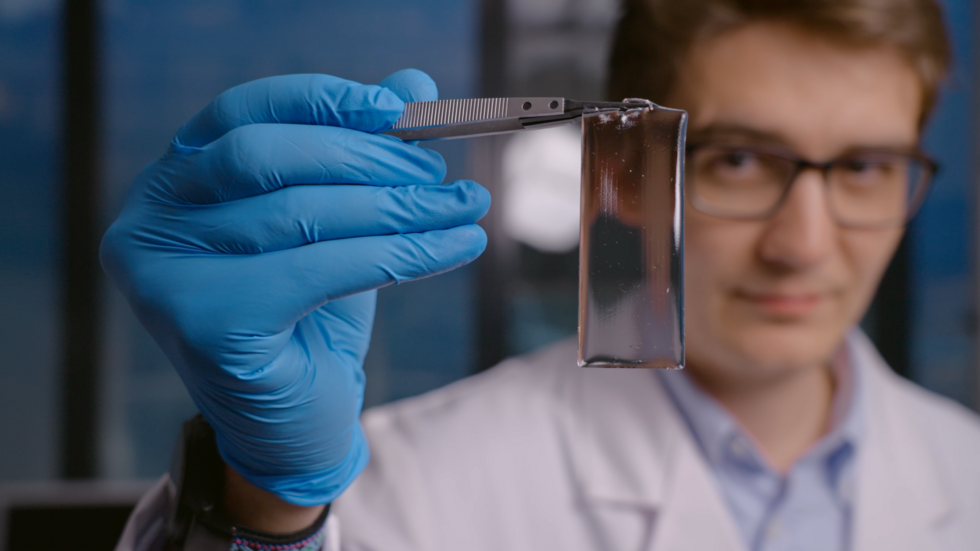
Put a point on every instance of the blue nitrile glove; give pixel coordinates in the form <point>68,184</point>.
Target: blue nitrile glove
<point>252,261</point>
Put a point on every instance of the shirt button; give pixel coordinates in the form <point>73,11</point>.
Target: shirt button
<point>739,448</point>
<point>773,530</point>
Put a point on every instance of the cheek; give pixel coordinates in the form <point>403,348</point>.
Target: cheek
<point>868,254</point>
<point>717,254</point>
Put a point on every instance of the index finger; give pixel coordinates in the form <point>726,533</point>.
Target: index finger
<point>294,99</point>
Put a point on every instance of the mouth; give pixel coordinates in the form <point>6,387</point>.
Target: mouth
<point>785,306</point>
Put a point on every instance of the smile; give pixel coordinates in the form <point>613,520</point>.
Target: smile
<point>784,305</point>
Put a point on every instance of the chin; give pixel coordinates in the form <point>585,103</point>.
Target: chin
<point>764,350</point>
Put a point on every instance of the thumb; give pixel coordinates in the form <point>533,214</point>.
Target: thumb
<point>411,85</point>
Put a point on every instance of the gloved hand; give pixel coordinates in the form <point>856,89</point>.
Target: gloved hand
<point>251,251</point>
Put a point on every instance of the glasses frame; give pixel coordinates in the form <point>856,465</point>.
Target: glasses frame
<point>931,167</point>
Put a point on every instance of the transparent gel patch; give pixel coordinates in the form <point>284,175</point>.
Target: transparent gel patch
<point>631,295</point>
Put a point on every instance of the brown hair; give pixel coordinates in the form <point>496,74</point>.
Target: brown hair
<point>654,36</point>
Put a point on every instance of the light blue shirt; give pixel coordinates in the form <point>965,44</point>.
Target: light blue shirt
<point>809,507</point>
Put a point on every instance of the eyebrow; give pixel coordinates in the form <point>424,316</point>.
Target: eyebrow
<point>756,136</point>
<point>717,131</point>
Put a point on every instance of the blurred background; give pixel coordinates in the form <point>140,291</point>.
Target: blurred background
<point>91,92</point>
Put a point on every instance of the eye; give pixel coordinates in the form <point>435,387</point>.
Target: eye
<point>735,164</point>
<point>860,166</point>
<point>871,170</point>
<point>736,159</point>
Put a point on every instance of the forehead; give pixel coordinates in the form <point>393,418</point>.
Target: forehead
<point>815,96</point>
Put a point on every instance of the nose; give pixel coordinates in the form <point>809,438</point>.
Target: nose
<point>802,233</point>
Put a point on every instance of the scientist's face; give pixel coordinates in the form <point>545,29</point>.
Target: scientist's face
<point>768,298</point>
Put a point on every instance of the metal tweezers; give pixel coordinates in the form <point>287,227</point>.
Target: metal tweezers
<point>462,118</point>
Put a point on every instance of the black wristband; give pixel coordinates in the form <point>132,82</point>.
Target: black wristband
<point>198,474</point>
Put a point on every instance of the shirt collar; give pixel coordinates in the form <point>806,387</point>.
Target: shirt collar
<point>718,433</point>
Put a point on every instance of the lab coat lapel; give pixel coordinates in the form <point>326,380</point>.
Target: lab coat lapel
<point>637,456</point>
<point>693,515</point>
<point>901,497</point>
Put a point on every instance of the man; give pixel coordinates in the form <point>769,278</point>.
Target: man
<point>786,430</point>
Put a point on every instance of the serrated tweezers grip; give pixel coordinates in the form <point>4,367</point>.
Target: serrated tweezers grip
<point>450,111</point>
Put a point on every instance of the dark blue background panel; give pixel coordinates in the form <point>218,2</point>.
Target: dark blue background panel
<point>943,247</point>
<point>29,149</point>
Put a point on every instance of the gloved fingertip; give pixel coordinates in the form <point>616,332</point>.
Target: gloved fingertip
<point>430,164</point>
<point>433,164</point>
<point>461,244</point>
<point>476,197</point>
<point>442,169</point>
<point>411,85</point>
<point>482,197</point>
<point>474,237</point>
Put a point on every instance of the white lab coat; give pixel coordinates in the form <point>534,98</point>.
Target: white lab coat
<point>540,454</point>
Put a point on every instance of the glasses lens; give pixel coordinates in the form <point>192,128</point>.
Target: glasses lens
<point>876,189</point>
<point>735,182</point>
